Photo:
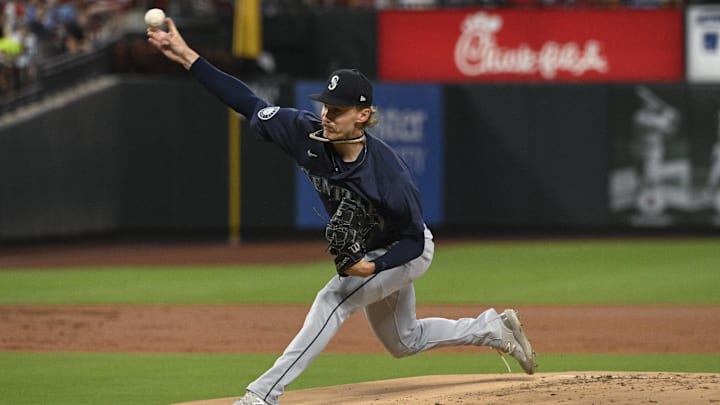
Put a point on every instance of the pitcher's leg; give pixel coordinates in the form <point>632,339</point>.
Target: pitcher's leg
<point>480,331</point>
<point>339,299</point>
<point>394,322</point>
<point>334,304</point>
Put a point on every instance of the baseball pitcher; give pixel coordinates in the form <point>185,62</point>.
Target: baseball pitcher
<point>376,232</point>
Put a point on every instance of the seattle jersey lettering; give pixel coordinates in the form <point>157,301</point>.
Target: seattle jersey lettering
<point>323,186</point>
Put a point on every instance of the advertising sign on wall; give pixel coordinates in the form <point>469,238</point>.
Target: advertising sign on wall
<point>703,43</point>
<point>410,121</point>
<point>531,45</point>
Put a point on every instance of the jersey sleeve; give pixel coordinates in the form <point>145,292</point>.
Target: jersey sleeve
<point>404,206</point>
<point>285,127</point>
<point>230,90</point>
<point>282,126</point>
<point>404,209</point>
<point>406,249</point>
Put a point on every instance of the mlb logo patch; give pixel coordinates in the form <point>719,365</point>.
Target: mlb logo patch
<point>710,41</point>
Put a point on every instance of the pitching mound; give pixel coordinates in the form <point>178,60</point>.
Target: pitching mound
<point>544,388</point>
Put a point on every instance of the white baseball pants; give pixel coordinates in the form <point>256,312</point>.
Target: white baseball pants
<point>389,302</point>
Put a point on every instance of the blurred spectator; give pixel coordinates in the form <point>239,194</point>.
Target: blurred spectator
<point>36,17</point>
<point>74,22</point>
<point>13,11</point>
<point>25,63</point>
<point>10,49</point>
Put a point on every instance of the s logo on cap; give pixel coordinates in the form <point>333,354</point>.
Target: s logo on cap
<point>346,87</point>
<point>333,82</point>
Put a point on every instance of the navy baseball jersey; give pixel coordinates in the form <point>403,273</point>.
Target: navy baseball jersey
<point>379,178</point>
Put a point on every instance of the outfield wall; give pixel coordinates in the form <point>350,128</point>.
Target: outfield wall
<point>148,157</point>
<point>139,155</point>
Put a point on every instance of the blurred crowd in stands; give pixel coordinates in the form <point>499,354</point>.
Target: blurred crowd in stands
<point>273,7</point>
<point>384,4</point>
<point>33,30</point>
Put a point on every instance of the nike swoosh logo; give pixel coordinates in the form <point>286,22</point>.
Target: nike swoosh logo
<point>311,154</point>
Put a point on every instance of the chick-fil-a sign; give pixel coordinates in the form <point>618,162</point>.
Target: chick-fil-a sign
<point>477,52</point>
<point>531,45</point>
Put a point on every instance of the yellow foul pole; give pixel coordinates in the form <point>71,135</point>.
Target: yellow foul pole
<point>247,43</point>
<point>247,32</point>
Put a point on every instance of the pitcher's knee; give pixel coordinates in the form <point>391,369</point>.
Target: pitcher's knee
<point>399,350</point>
<point>328,295</point>
<point>400,355</point>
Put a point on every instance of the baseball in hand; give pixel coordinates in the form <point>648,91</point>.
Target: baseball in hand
<point>154,18</point>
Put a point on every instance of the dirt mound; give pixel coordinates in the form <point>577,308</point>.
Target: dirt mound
<point>605,387</point>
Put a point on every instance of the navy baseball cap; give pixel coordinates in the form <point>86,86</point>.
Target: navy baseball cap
<point>346,87</point>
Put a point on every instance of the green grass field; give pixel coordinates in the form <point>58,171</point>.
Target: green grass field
<point>682,271</point>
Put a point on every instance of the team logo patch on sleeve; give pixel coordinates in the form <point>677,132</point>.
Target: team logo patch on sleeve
<point>267,113</point>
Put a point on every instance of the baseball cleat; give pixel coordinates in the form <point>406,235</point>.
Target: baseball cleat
<point>250,399</point>
<point>515,343</point>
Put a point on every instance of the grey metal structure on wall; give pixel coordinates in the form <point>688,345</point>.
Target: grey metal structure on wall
<point>665,168</point>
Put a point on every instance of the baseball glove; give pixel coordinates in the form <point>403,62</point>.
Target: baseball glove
<point>347,232</point>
